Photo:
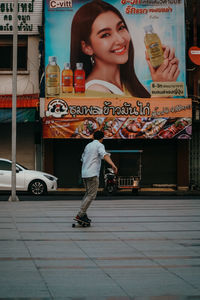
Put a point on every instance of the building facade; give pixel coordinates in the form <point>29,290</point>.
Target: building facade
<point>171,162</point>
<point>165,161</point>
<point>193,85</point>
<point>28,122</point>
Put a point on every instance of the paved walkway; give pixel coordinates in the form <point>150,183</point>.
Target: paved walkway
<point>135,249</point>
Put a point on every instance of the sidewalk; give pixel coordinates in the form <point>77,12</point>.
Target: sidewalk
<point>135,249</point>
<point>157,191</point>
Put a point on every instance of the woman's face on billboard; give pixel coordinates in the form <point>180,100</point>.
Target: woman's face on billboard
<point>109,39</point>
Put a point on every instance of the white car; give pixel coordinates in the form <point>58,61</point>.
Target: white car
<point>35,182</point>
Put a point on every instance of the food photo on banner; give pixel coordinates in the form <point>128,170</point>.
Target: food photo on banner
<point>117,52</point>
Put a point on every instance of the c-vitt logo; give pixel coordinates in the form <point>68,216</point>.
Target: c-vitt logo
<point>53,4</point>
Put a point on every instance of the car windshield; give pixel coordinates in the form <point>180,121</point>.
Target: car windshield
<point>22,166</point>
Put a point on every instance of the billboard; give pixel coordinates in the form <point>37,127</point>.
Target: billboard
<point>116,50</point>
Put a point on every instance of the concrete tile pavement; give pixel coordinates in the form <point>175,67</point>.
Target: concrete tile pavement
<point>135,249</point>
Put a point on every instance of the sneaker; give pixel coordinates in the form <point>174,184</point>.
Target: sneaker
<point>86,217</point>
<point>77,218</point>
<point>82,218</point>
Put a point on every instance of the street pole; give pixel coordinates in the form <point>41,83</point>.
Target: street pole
<point>13,196</point>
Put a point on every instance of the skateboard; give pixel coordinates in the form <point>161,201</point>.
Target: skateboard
<point>81,223</point>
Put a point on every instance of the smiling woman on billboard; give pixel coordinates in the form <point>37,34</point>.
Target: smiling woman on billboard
<point>100,39</point>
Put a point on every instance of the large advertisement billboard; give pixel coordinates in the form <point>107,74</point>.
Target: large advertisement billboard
<point>123,51</point>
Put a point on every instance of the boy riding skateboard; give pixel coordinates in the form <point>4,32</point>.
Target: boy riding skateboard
<point>91,158</point>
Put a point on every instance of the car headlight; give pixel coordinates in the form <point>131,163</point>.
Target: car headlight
<point>50,177</point>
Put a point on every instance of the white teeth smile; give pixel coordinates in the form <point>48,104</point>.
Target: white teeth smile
<point>119,50</point>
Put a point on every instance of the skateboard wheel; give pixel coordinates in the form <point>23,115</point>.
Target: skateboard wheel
<point>73,225</point>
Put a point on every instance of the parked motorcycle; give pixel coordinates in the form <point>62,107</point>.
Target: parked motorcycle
<point>114,183</point>
<point>110,180</point>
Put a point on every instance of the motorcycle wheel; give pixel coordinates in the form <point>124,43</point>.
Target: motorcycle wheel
<point>110,189</point>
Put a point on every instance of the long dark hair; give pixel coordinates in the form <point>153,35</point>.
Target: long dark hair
<point>81,30</point>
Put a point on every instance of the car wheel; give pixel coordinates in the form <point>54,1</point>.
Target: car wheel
<point>37,187</point>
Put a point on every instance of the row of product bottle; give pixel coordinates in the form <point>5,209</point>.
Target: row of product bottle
<point>70,81</point>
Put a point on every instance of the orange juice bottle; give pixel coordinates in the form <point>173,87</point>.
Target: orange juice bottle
<point>67,79</point>
<point>52,77</point>
<point>153,46</point>
<point>79,79</point>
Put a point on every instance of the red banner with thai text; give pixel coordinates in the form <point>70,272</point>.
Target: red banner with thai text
<point>119,118</point>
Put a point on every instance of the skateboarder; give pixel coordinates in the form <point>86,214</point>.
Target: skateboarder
<point>91,158</point>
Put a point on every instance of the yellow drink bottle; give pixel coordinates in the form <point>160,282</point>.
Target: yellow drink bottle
<point>153,46</point>
<point>67,79</point>
<point>52,77</point>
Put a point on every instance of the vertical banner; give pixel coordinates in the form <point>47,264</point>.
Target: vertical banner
<point>113,49</point>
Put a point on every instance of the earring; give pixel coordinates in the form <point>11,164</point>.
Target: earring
<point>92,59</point>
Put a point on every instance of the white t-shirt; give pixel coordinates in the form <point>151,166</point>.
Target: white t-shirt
<point>91,158</point>
<point>111,87</point>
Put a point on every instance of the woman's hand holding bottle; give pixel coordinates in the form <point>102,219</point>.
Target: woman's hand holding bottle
<point>168,70</point>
